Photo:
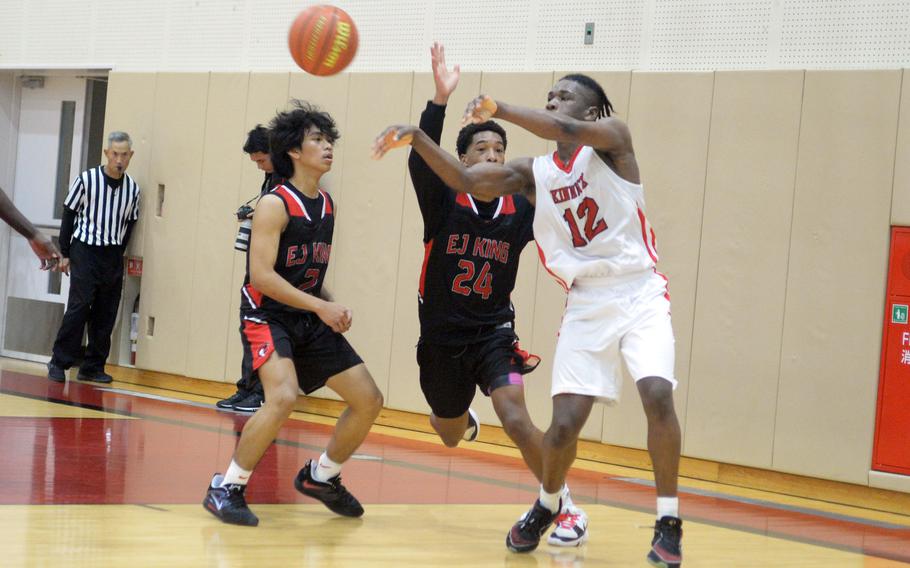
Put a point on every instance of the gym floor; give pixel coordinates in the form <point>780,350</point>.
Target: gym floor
<point>114,475</point>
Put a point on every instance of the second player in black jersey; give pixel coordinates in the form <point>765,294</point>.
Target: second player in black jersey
<point>249,396</point>
<point>467,327</point>
<point>292,334</point>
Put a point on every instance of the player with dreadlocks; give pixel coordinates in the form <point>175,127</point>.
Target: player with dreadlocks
<point>594,239</point>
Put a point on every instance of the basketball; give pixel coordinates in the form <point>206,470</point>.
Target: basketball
<point>323,40</point>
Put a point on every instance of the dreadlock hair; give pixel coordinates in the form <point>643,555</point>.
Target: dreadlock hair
<point>604,106</point>
<point>466,135</point>
<point>287,130</point>
<point>257,140</point>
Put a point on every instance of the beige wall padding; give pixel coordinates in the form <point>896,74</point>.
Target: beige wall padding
<point>741,279</point>
<point>130,110</point>
<point>368,228</point>
<point>169,252</point>
<point>770,192</point>
<point>835,285</point>
<point>900,208</point>
<point>211,319</point>
<point>669,115</point>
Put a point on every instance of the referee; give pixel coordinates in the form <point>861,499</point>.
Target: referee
<point>99,214</point>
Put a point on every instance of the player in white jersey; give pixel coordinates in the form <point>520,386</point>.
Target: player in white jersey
<point>594,239</point>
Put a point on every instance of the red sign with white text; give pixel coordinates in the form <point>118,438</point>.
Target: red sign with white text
<point>891,452</point>
<point>134,266</point>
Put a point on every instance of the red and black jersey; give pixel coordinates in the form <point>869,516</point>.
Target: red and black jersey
<point>303,249</point>
<point>472,251</point>
<point>470,266</point>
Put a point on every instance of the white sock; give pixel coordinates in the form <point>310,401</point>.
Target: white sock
<point>667,507</point>
<point>566,497</point>
<point>325,469</point>
<point>550,500</point>
<point>236,475</point>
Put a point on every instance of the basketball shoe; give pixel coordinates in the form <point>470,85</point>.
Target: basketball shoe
<point>332,493</point>
<point>473,427</point>
<point>571,527</point>
<point>229,402</point>
<point>525,534</point>
<point>228,503</point>
<point>666,548</point>
<point>251,403</point>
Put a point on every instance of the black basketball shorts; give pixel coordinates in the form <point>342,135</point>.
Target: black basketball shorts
<point>318,352</point>
<point>449,374</point>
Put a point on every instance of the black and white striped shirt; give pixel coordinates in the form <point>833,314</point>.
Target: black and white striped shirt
<point>102,212</point>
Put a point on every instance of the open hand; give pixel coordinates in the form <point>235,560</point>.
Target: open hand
<point>394,136</point>
<point>446,80</point>
<point>481,109</point>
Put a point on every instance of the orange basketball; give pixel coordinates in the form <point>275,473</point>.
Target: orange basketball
<point>323,40</point>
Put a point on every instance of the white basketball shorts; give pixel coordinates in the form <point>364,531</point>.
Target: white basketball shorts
<point>609,319</point>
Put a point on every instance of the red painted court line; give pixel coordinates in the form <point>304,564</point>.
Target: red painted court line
<point>170,452</point>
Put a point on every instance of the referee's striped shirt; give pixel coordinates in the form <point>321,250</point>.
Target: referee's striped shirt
<point>102,212</point>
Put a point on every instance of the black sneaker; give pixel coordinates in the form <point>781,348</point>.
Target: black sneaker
<point>525,534</point>
<point>666,548</point>
<point>250,403</point>
<point>55,373</point>
<point>230,401</point>
<point>332,493</point>
<point>228,503</point>
<point>101,377</point>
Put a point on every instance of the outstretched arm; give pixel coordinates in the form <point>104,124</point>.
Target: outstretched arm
<point>609,135</point>
<point>484,180</point>
<point>432,191</point>
<point>41,245</point>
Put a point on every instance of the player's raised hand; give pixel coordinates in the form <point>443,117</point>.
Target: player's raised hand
<point>394,136</point>
<point>446,80</point>
<point>336,316</point>
<point>481,109</point>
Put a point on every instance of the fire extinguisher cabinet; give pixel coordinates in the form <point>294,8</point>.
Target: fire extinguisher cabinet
<point>892,425</point>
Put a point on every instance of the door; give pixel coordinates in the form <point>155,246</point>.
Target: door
<point>49,152</point>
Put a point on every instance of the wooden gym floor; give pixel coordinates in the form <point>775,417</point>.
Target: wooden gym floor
<point>114,475</point>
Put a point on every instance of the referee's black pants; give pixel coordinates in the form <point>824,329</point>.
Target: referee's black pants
<point>96,281</point>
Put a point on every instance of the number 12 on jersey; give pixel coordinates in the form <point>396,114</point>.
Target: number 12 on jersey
<point>586,210</point>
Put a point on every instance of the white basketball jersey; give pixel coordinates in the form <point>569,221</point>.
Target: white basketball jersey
<point>588,221</point>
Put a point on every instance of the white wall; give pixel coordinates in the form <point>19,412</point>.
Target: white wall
<point>509,35</point>
<point>9,119</point>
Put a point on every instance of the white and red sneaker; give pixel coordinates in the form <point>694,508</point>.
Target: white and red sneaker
<point>571,527</point>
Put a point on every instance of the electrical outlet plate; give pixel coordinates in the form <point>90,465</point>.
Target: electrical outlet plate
<point>589,33</point>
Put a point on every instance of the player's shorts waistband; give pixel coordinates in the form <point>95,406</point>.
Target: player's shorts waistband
<point>613,279</point>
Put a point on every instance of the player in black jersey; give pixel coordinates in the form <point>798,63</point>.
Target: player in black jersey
<point>292,335</point>
<point>467,328</point>
<point>249,396</point>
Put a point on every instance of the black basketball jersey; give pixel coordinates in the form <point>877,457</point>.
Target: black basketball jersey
<point>303,249</point>
<point>469,269</point>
